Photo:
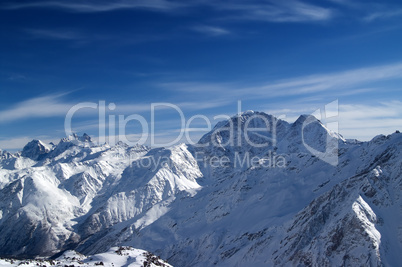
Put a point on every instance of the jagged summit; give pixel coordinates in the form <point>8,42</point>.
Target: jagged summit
<point>247,112</point>
<point>38,150</point>
<point>74,137</point>
<point>261,133</point>
<point>83,138</point>
<point>35,150</point>
<point>265,124</point>
<point>252,124</point>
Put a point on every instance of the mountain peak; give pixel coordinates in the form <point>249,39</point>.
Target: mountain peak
<point>35,150</point>
<point>83,138</point>
<point>305,119</point>
<point>236,126</point>
<point>247,112</point>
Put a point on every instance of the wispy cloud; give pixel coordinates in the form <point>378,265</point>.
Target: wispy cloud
<point>81,37</point>
<point>355,120</point>
<point>345,82</point>
<point>16,77</point>
<point>14,143</point>
<point>369,11</point>
<point>17,143</point>
<point>55,34</point>
<point>383,15</point>
<point>270,10</point>
<point>56,106</point>
<point>12,76</point>
<point>366,121</point>
<point>201,105</point>
<point>210,30</point>
<point>95,6</point>
<point>196,87</point>
<point>276,11</point>
<point>340,80</point>
<point>46,106</point>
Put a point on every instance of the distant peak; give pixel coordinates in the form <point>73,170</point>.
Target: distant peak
<point>84,138</point>
<point>35,150</point>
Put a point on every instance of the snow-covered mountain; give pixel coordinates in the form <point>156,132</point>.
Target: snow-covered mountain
<point>278,194</point>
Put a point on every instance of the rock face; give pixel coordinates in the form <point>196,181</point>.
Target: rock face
<point>255,191</point>
<point>35,150</point>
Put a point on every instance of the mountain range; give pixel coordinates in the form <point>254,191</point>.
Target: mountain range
<point>280,194</point>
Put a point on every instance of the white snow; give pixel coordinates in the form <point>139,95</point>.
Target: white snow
<point>93,198</point>
<point>115,257</point>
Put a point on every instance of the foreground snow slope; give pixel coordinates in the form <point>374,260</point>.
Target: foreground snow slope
<point>178,203</point>
<point>114,257</point>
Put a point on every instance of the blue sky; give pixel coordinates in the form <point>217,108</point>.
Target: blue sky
<point>282,57</point>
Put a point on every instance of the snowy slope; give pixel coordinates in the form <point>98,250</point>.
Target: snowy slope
<point>41,200</point>
<point>180,204</point>
<point>116,256</point>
